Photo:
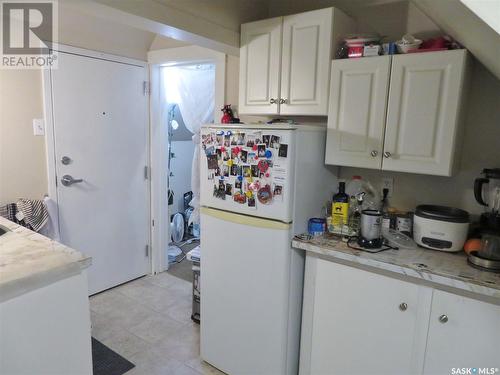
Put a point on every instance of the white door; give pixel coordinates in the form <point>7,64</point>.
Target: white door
<point>359,323</point>
<point>246,281</point>
<point>260,60</point>
<point>422,115</point>
<point>463,333</point>
<point>305,75</point>
<point>356,115</point>
<point>101,126</point>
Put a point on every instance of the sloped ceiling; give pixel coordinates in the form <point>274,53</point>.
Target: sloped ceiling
<point>460,22</point>
<point>86,31</point>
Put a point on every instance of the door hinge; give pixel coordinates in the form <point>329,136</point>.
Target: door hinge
<point>152,223</point>
<point>147,173</point>
<point>56,180</point>
<point>146,87</point>
<point>147,250</point>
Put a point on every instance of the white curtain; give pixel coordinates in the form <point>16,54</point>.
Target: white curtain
<point>192,88</point>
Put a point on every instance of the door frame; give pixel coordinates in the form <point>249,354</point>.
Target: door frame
<point>48,110</point>
<point>159,136</point>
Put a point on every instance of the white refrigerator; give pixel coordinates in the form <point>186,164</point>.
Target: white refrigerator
<point>259,186</point>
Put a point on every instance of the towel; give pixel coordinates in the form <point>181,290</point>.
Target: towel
<point>34,213</point>
<point>9,212</point>
<point>51,229</point>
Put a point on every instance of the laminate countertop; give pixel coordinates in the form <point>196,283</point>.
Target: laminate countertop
<point>437,268</point>
<point>29,261</point>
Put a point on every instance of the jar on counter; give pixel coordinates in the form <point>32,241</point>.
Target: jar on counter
<point>404,223</point>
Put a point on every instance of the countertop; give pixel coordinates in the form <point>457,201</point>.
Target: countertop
<point>29,261</point>
<point>437,268</point>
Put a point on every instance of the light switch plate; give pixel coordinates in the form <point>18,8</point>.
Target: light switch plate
<point>387,183</point>
<point>38,126</point>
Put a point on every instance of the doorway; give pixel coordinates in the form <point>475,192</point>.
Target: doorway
<point>189,92</point>
<point>197,59</point>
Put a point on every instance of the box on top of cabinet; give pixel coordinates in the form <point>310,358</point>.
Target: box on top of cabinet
<point>398,113</point>
<point>285,62</point>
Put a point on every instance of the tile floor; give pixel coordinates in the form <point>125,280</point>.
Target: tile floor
<point>148,321</point>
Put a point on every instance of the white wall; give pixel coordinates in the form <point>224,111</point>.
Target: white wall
<point>180,166</point>
<point>22,155</point>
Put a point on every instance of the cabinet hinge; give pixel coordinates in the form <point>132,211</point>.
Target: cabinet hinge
<point>146,87</point>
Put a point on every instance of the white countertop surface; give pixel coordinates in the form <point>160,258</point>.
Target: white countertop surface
<point>30,261</point>
<point>436,267</point>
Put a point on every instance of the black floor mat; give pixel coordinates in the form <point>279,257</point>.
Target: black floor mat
<point>107,362</point>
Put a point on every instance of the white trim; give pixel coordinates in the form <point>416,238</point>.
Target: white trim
<point>96,54</point>
<point>159,134</point>
<point>48,113</point>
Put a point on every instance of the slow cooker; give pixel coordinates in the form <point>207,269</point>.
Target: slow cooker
<point>440,227</point>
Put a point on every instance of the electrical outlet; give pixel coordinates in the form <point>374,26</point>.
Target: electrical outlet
<point>387,183</point>
<point>38,126</point>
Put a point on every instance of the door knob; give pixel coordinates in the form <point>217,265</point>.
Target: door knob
<point>387,154</point>
<point>443,318</point>
<point>68,180</point>
<point>65,160</point>
<point>403,306</point>
<point>374,153</point>
<point>273,101</point>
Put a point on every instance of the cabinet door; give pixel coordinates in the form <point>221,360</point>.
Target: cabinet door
<point>260,60</point>
<point>422,115</point>
<point>469,336</point>
<point>358,325</point>
<point>305,75</point>
<point>356,114</point>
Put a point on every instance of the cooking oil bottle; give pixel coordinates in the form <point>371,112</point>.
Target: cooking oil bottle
<point>340,209</point>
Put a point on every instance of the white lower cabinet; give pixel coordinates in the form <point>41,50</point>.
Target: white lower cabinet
<point>463,333</point>
<point>360,322</point>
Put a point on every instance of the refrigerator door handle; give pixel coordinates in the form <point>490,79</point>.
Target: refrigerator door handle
<point>245,219</point>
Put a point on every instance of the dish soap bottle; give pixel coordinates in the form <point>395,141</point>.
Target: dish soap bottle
<point>340,209</point>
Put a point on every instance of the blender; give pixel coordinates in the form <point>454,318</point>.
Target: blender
<point>487,193</point>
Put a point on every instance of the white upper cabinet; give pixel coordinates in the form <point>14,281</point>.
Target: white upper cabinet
<point>463,333</point>
<point>356,121</point>
<point>285,62</point>
<point>423,112</point>
<point>307,38</point>
<point>260,57</point>
<point>422,126</point>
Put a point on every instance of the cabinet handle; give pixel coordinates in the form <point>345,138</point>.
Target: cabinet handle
<point>374,153</point>
<point>443,318</point>
<point>273,101</point>
<point>387,154</point>
<point>283,101</point>
<point>403,306</point>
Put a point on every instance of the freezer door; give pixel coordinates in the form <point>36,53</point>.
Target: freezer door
<point>248,171</point>
<point>245,284</point>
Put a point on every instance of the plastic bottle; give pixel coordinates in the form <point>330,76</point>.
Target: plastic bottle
<point>340,208</point>
<point>355,217</point>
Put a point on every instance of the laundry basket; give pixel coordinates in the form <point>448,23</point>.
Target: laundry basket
<point>194,256</point>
